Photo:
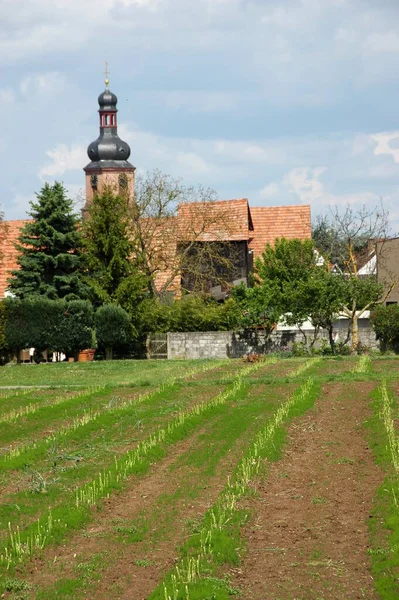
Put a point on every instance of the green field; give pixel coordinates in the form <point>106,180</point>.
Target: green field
<point>200,480</point>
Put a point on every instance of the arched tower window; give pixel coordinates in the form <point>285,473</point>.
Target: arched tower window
<point>123,183</point>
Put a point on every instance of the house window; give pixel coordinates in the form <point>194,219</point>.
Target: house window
<point>389,303</point>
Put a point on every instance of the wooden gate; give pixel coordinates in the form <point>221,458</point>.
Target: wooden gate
<point>157,345</point>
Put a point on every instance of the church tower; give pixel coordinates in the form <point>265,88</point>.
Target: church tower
<point>108,153</point>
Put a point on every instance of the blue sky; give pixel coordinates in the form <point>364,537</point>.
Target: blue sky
<point>287,102</point>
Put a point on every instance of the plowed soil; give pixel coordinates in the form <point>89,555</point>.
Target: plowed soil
<point>308,538</point>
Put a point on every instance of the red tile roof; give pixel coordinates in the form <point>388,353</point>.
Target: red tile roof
<point>221,220</point>
<point>9,232</point>
<point>271,222</point>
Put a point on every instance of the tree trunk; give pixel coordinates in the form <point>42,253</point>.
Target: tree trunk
<point>306,341</point>
<point>331,339</point>
<point>355,333</point>
<point>108,353</point>
<point>19,357</point>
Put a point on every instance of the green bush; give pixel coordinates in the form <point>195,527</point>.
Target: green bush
<point>48,324</point>
<point>193,313</point>
<point>4,352</point>
<point>385,320</point>
<point>113,327</point>
<point>74,330</point>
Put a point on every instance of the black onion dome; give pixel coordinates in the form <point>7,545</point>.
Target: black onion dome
<point>108,146</point>
<point>107,100</point>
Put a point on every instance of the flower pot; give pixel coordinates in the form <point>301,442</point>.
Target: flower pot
<point>86,355</point>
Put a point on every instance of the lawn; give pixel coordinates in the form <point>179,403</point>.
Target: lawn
<point>200,480</point>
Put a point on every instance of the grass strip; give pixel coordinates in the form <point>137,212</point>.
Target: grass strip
<point>363,365</point>
<point>53,527</point>
<point>311,362</point>
<point>384,524</point>
<point>218,541</point>
<point>18,457</point>
<point>29,409</point>
<point>110,373</point>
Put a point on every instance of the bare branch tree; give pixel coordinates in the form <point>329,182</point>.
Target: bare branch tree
<point>357,241</point>
<point>180,236</point>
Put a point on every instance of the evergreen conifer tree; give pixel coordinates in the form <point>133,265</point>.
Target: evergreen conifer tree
<point>112,268</point>
<point>49,249</point>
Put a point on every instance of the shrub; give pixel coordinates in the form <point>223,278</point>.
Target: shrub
<point>4,353</point>
<point>48,324</point>
<point>193,313</point>
<point>385,320</point>
<point>74,331</point>
<point>113,327</point>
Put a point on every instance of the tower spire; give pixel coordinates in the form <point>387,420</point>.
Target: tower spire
<point>106,73</point>
<point>108,153</point>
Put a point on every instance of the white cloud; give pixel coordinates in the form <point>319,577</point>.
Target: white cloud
<point>305,183</point>
<point>193,163</point>
<point>64,159</point>
<point>42,84</point>
<point>7,96</point>
<point>197,101</point>
<point>19,206</point>
<point>270,191</point>
<point>382,42</point>
<point>384,141</point>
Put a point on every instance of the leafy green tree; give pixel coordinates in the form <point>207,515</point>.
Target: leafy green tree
<point>260,307</point>
<point>281,276</point>
<point>286,261</point>
<point>49,249</point>
<point>292,281</point>
<point>113,328</point>
<point>326,293</point>
<point>348,239</point>
<point>385,320</point>
<point>74,329</point>
<point>112,272</point>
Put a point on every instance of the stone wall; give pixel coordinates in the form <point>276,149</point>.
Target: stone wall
<point>207,344</point>
<point>230,344</point>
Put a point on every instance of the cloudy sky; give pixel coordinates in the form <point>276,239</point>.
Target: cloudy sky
<point>287,102</point>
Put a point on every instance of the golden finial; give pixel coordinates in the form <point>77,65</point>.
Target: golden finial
<point>106,74</point>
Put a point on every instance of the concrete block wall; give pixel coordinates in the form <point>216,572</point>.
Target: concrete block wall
<point>198,344</point>
<point>231,344</point>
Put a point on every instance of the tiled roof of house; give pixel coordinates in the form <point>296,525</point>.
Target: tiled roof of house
<point>271,222</point>
<point>222,220</point>
<point>9,232</point>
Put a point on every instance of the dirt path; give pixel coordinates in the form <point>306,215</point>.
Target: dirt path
<point>308,537</point>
